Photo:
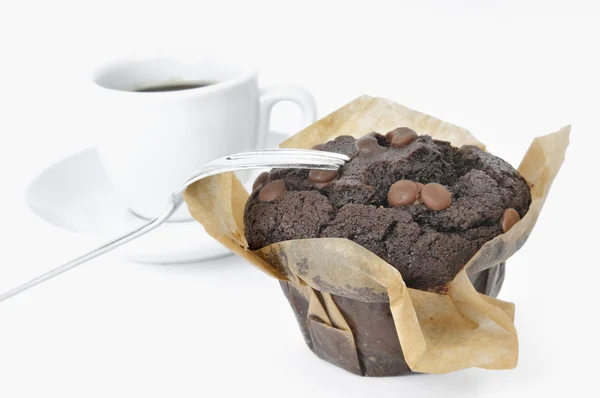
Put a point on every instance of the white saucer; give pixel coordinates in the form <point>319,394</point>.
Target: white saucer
<point>75,194</point>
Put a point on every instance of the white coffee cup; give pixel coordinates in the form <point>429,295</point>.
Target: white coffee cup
<point>149,142</point>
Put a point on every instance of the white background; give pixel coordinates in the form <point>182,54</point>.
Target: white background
<point>507,71</point>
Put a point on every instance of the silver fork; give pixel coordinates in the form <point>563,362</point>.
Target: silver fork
<point>258,159</point>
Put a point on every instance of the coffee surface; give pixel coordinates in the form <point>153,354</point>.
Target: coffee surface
<point>427,232</point>
<point>173,87</point>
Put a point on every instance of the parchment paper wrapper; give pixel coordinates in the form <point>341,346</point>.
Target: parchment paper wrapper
<point>353,308</point>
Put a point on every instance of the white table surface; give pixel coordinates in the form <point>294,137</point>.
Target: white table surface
<point>222,328</point>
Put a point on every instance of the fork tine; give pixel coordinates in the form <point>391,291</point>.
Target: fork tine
<point>271,161</point>
<point>306,151</point>
<point>289,158</point>
<point>278,150</point>
<point>278,159</point>
<point>289,152</point>
<point>297,152</point>
<point>276,165</point>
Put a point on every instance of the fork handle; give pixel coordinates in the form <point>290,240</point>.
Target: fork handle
<point>174,203</point>
<point>292,159</point>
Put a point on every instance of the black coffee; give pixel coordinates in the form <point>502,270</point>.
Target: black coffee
<point>173,87</point>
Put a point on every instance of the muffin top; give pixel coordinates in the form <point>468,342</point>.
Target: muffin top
<point>420,204</point>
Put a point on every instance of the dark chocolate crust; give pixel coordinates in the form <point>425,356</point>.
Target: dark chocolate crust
<point>428,247</point>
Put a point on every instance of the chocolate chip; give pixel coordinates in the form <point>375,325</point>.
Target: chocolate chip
<point>368,145</point>
<point>509,218</point>
<point>402,193</point>
<point>401,137</point>
<point>272,191</point>
<point>436,196</point>
<point>261,179</point>
<point>322,176</point>
<point>381,139</point>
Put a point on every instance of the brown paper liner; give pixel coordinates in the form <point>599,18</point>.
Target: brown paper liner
<point>372,347</point>
<point>340,291</point>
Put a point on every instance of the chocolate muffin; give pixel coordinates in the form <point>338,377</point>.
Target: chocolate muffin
<point>420,204</point>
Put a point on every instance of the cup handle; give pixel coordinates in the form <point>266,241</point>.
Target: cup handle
<point>271,95</point>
